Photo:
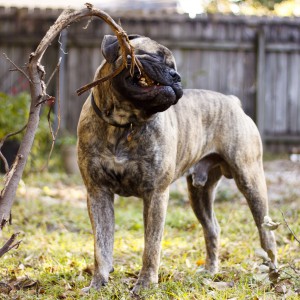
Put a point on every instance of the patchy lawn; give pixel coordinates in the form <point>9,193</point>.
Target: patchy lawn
<point>55,258</point>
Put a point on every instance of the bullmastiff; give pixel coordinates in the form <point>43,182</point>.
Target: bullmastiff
<point>134,141</point>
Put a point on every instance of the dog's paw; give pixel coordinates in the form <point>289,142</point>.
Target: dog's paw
<point>95,285</point>
<point>208,270</point>
<point>142,285</point>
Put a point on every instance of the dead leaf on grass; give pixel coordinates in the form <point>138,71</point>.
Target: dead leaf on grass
<point>218,285</point>
<point>280,289</point>
<point>89,270</point>
<point>25,283</point>
<point>5,288</point>
<point>200,262</point>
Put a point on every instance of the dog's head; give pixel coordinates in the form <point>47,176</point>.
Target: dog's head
<point>161,86</point>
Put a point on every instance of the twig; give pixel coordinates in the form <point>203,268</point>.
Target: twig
<point>293,268</point>
<point>17,68</point>
<point>45,98</point>
<point>6,166</point>
<point>54,134</point>
<point>8,245</point>
<point>11,134</point>
<point>88,23</point>
<point>54,71</point>
<point>96,82</point>
<point>289,228</point>
<point>38,91</point>
<point>61,45</point>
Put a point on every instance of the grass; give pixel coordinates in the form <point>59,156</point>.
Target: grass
<point>55,258</point>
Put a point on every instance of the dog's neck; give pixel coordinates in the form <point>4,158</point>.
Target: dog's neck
<point>106,116</point>
<point>114,112</point>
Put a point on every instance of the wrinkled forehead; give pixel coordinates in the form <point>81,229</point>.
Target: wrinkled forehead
<point>145,45</point>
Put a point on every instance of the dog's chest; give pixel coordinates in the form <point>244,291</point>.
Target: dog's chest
<point>127,167</point>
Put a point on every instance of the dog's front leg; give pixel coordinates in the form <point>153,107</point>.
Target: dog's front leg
<point>101,212</point>
<point>155,208</point>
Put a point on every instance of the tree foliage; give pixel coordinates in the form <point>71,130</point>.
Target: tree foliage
<point>255,7</point>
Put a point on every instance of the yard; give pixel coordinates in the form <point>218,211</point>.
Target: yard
<point>55,258</point>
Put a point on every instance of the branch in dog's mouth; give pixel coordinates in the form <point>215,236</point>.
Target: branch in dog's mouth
<point>145,81</point>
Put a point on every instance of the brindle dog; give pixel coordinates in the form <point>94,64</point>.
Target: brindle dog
<point>134,141</point>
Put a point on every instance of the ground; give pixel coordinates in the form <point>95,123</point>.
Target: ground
<point>55,257</point>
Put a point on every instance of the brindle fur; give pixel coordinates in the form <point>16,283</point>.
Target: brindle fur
<point>206,134</point>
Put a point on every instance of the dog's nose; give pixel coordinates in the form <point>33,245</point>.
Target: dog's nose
<point>175,75</point>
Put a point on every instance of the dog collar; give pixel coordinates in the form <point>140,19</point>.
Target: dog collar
<point>103,116</point>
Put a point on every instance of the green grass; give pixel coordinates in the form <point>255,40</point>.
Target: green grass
<point>56,253</point>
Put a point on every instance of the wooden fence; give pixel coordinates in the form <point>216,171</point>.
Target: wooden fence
<point>256,59</point>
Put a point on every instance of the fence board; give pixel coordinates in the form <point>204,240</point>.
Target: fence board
<point>293,92</point>
<point>281,94</point>
<point>270,94</point>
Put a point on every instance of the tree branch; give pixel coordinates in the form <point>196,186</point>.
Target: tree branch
<point>36,76</point>
<point>17,68</point>
<point>8,245</point>
<point>289,228</point>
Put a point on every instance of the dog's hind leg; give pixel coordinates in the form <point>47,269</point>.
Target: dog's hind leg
<point>202,200</point>
<point>101,212</point>
<point>251,182</point>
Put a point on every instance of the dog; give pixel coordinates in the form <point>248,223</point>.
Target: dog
<point>135,138</point>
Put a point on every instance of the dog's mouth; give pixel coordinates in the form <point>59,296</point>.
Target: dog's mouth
<point>153,90</point>
<point>144,81</point>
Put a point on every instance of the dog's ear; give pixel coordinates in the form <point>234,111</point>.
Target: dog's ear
<point>110,48</point>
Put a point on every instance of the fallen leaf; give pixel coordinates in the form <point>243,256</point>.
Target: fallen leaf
<point>188,263</point>
<point>274,274</point>
<point>5,288</point>
<point>25,283</point>
<point>200,262</point>
<point>281,289</point>
<point>263,268</point>
<point>221,285</point>
<point>260,277</point>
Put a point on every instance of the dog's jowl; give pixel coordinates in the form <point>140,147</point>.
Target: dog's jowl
<point>136,138</point>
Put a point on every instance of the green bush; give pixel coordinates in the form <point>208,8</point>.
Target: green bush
<point>14,111</point>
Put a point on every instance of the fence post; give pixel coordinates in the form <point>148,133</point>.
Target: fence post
<point>260,83</point>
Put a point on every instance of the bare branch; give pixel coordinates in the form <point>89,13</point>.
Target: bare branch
<point>36,76</point>
<point>17,68</point>
<point>289,228</point>
<point>11,134</point>
<point>54,72</point>
<point>46,98</point>
<point>96,82</point>
<point>4,160</point>
<point>8,245</point>
<point>61,45</point>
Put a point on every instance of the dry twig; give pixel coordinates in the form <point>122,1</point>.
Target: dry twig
<point>36,76</point>
<point>9,244</point>
<point>16,67</point>
<point>289,228</point>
